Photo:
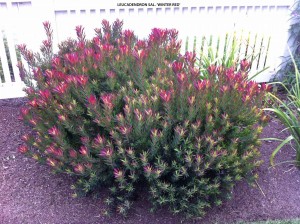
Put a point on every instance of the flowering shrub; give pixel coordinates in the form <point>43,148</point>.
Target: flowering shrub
<point>121,112</point>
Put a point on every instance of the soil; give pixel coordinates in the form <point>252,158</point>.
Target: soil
<point>30,193</point>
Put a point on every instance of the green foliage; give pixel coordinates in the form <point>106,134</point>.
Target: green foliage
<point>286,73</point>
<point>119,112</point>
<point>288,113</point>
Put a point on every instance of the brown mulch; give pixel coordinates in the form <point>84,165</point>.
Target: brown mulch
<point>30,193</point>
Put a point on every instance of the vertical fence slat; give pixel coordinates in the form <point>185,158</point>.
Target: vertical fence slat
<point>4,61</point>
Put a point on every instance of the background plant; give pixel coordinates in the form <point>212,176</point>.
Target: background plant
<point>286,73</point>
<point>288,113</point>
<point>122,113</point>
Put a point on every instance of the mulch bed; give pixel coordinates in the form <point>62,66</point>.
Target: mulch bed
<point>30,193</point>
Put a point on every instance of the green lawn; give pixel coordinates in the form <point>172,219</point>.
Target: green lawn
<point>291,221</point>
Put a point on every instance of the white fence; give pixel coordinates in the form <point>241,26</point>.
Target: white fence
<point>260,26</point>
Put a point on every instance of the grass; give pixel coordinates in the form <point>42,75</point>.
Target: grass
<point>290,221</point>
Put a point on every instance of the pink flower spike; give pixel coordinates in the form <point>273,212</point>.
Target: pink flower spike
<point>177,66</point>
<point>54,131</point>
<point>92,99</point>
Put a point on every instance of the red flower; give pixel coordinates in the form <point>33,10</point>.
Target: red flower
<point>83,150</point>
<point>25,138</point>
<point>54,131</point>
<point>118,173</point>
<point>45,94</point>
<point>165,95</point>
<point>51,162</point>
<point>124,49</point>
<point>106,152</point>
<point>72,58</point>
<point>23,148</point>
<point>33,121</point>
<point>125,130</point>
<point>191,100</point>
<point>72,153</point>
<point>33,103</point>
<point>62,117</point>
<point>177,66</point>
<point>199,85</point>
<point>92,99</point>
<point>24,111</point>
<point>99,140</point>
<point>245,65</point>
<point>148,169</point>
<point>139,54</point>
<point>61,88</point>
<point>190,57</point>
<point>56,62</point>
<point>181,77</point>
<point>79,168</point>
<point>212,69</point>
<point>107,100</point>
<point>82,80</point>
<point>111,74</point>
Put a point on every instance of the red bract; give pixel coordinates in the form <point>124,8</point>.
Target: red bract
<point>92,99</point>
<point>83,150</point>
<point>56,62</point>
<point>212,69</point>
<point>82,80</point>
<point>45,94</point>
<point>51,162</point>
<point>54,131</point>
<point>181,77</point>
<point>25,138</point>
<point>245,65</point>
<point>79,168</point>
<point>139,54</point>
<point>23,149</point>
<point>106,152</point>
<point>62,117</point>
<point>61,88</point>
<point>24,111</point>
<point>33,103</point>
<point>72,58</point>
<point>177,66</point>
<point>165,95</point>
<point>200,85</point>
<point>128,36</point>
<point>111,74</point>
<point>72,153</point>
<point>99,140</point>
<point>125,130</point>
<point>107,100</point>
<point>190,57</point>
<point>124,50</point>
<point>118,173</point>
